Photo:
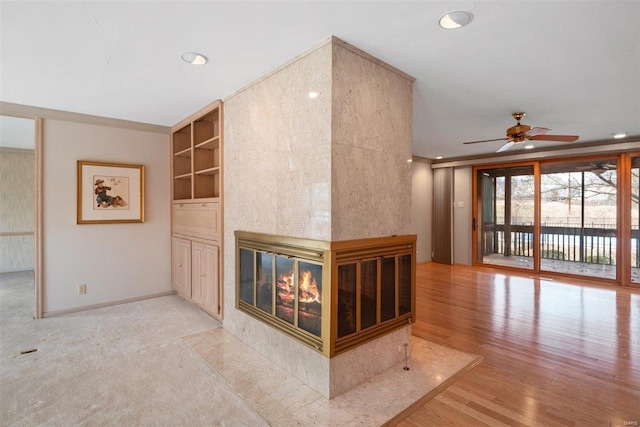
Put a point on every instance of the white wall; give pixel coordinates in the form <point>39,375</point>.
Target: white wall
<point>462,215</point>
<point>117,262</point>
<point>422,208</point>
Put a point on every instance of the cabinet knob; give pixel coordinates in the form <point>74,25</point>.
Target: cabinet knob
<point>204,205</point>
<point>179,265</point>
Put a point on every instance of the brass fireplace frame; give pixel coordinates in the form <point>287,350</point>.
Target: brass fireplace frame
<point>331,255</point>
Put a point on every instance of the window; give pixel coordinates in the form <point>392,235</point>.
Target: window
<point>561,216</point>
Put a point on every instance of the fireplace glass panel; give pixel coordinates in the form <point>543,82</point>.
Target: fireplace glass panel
<point>264,281</point>
<point>310,297</point>
<point>404,285</point>
<point>285,288</point>
<point>368,294</point>
<point>246,276</point>
<point>346,299</point>
<point>388,291</point>
<point>289,285</point>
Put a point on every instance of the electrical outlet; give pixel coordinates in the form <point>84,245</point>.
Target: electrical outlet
<point>82,289</point>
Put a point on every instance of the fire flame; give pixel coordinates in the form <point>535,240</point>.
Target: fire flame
<point>308,288</point>
<point>285,289</point>
<point>285,282</point>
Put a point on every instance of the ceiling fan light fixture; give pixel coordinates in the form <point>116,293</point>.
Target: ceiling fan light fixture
<point>194,58</point>
<point>455,19</point>
<point>619,135</point>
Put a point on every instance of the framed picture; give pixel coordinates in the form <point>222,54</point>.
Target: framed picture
<point>110,193</point>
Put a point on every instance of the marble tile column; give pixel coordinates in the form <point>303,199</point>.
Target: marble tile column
<point>331,167</point>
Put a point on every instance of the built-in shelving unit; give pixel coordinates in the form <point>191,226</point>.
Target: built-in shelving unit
<point>196,157</point>
<point>196,148</point>
<point>182,154</point>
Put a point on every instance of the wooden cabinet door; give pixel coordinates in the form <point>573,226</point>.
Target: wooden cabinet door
<point>181,266</point>
<point>197,288</point>
<point>200,220</point>
<point>205,287</point>
<point>210,278</point>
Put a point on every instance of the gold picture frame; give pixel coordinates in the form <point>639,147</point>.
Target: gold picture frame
<point>110,193</point>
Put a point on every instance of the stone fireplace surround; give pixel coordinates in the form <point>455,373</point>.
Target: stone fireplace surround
<point>331,168</point>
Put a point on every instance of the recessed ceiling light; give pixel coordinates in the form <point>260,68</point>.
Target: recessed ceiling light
<point>529,146</point>
<point>313,95</point>
<point>619,135</point>
<point>194,58</point>
<point>455,19</point>
<point>438,157</point>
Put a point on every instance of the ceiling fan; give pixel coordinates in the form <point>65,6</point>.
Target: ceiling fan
<point>520,133</point>
<point>597,168</point>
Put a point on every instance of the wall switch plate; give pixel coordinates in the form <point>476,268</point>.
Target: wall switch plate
<point>82,289</point>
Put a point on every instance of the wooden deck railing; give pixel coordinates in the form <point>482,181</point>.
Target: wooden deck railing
<point>587,245</point>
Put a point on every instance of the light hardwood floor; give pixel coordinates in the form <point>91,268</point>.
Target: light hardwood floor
<point>556,352</point>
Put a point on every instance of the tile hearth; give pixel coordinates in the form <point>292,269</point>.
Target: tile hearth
<point>283,400</point>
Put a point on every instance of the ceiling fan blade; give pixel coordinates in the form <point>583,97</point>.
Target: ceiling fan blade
<point>560,138</point>
<point>536,131</point>
<point>486,140</point>
<point>505,147</point>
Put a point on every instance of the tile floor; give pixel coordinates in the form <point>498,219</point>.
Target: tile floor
<point>164,362</point>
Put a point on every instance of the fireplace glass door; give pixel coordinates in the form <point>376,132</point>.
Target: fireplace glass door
<point>285,288</point>
<point>264,281</point>
<point>296,297</point>
<point>310,297</point>
<point>369,293</point>
<point>347,299</point>
<point>330,296</point>
<point>373,291</point>
<point>246,276</point>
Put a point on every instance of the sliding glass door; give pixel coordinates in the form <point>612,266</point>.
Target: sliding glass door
<point>578,217</point>
<point>635,220</point>
<point>504,232</point>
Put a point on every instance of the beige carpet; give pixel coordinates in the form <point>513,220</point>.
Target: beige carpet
<point>283,400</point>
<point>129,365</point>
<point>125,365</point>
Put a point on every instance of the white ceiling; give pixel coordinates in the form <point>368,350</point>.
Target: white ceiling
<point>573,66</point>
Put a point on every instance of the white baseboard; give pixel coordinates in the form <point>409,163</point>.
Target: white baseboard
<point>105,304</point>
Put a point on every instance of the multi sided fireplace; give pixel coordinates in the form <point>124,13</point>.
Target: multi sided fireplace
<point>331,296</point>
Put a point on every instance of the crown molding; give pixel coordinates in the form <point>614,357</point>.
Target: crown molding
<point>31,112</point>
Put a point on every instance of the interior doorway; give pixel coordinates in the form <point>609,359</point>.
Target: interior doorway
<point>19,232</point>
